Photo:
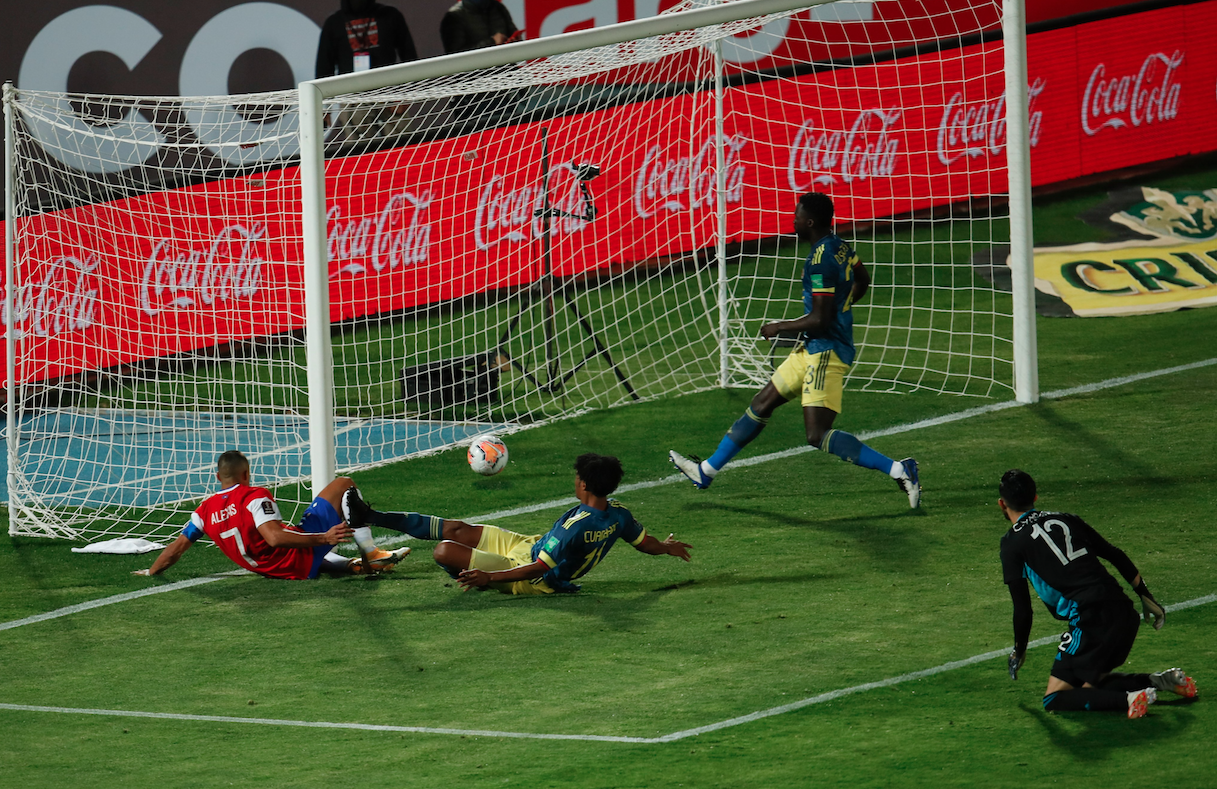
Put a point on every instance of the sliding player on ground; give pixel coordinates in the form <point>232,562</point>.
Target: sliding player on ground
<point>834,279</point>
<point>1059,554</point>
<point>244,521</point>
<point>482,556</point>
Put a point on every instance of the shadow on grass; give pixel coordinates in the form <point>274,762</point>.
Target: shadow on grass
<point>1115,455</point>
<point>1093,736</point>
<point>378,617</point>
<point>726,580</point>
<point>617,605</point>
<point>893,539</point>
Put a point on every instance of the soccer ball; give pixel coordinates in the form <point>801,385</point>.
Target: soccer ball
<point>487,455</point>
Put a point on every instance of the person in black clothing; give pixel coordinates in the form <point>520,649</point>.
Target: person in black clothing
<point>474,24</point>
<point>1059,554</point>
<point>362,35</point>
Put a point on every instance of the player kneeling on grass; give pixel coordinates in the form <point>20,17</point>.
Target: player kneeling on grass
<point>484,557</point>
<point>834,279</point>
<point>245,523</point>
<point>1059,554</point>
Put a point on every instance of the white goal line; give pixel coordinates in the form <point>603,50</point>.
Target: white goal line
<point>567,502</point>
<point>676,735</point>
<point>866,436</point>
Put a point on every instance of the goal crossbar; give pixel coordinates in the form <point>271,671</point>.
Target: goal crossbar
<point>441,261</point>
<point>312,163</point>
<point>491,57</point>
<point>313,93</point>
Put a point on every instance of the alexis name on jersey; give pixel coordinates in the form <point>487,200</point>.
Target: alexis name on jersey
<point>219,516</point>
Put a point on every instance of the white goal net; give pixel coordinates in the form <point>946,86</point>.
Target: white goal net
<point>502,247</point>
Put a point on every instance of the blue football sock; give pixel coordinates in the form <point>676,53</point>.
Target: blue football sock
<point>746,428</point>
<point>424,527</point>
<point>849,448</point>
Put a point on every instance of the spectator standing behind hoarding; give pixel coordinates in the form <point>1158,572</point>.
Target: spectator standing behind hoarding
<point>362,35</point>
<point>474,24</point>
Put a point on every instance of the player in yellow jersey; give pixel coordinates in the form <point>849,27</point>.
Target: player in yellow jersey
<point>481,556</point>
<point>834,279</point>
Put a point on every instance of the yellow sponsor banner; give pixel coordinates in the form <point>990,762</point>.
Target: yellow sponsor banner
<point>1129,278</point>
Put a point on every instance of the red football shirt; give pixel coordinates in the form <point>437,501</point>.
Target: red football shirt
<point>231,519</point>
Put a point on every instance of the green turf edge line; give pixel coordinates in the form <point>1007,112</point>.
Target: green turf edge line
<point>119,598</point>
<point>891,431</point>
<point>323,724</point>
<point>678,735</point>
<point>568,502</point>
<point>884,683</point>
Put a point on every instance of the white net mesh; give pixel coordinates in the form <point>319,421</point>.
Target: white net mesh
<point>505,247</point>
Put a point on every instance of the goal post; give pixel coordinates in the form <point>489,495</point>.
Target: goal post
<point>702,14</point>
<point>312,136</point>
<point>381,265</point>
<point>1022,244</point>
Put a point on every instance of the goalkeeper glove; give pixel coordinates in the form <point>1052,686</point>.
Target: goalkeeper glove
<point>1151,608</point>
<point>1015,663</point>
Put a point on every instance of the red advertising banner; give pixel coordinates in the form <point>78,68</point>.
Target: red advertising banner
<point>1124,91</point>
<point>172,271</point>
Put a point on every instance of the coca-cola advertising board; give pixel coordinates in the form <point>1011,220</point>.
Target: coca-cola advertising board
<point>415,225</point>
<point>1124,91</point>
<point>429,223</point>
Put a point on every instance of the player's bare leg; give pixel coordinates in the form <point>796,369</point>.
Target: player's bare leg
<point>455,552</point>
<point>453,556</point>
<point>817,421</point>
<point>464,533</point>
<point>702,472</point>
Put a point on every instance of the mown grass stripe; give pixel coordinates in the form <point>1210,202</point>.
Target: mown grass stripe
<point>119,598</point>
<point>677,735</point>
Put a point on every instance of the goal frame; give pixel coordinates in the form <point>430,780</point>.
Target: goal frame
<point>312,96</point>
<point>313,93</point>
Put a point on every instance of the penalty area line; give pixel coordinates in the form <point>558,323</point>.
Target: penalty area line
<point>320,724</point>
<point>674,736</point>
<point>886,683</point>
<point>119,598</point>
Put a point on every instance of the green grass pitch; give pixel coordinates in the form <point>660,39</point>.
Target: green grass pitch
<point>809,576</point>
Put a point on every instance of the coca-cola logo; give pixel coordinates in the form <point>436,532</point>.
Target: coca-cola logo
<point>1151,95</point>
<point>510,215</point>
<point>866,150</point>
<point>681,183</point>
<point>975,130</point>
<point>230,267</point>
<point>398,235</point>
<point>63,300</point>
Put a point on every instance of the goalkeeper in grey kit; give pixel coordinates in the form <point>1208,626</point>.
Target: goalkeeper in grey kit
<point>1059,554</point>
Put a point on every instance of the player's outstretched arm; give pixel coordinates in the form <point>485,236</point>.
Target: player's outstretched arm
<point>167,557</point>
<point>669,547</point>
<point>480,579</point>
<point>1020,596</point>
<point>278,537</point>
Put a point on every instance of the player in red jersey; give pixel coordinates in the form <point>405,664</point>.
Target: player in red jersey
<point>244,521</point>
